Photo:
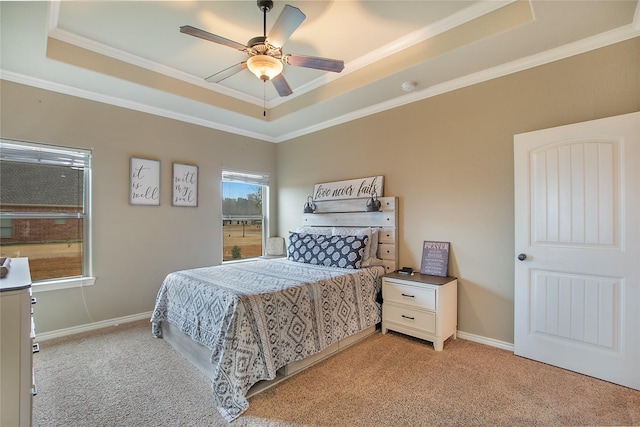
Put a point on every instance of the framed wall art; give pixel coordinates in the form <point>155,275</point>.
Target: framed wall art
<point>184,185</point>
<point>144,182</point>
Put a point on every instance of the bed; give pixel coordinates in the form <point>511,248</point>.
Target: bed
<point>250,324</point>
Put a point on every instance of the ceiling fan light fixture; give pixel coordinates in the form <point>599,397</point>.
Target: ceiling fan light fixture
<point>266,60</point>
<point>265,67</point>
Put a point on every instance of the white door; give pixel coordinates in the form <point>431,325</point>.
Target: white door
<point>577,230</point>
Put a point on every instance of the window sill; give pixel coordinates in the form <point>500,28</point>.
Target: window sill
<point>237,261</point>
<point>54,285</point>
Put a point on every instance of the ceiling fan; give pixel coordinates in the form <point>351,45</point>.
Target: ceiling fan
<point>265,52</point>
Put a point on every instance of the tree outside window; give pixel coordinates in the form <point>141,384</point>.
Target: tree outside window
<point>243,215</point>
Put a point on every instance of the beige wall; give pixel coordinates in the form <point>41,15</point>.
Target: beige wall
<point>449,160</point>
<point>134,247</point>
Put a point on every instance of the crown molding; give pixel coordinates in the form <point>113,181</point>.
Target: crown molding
<point>124,103</point>
<point>595,42</point>
<point>462,17</point>
<point>457,19</point>
<point>102,49</point>
<point>468,14</point>
<point>563,52</point>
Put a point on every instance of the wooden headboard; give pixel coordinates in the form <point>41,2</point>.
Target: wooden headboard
<point>351,213</point>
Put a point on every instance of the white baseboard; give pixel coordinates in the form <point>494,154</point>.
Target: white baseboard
<point>135,317</point>
<point>92,326</point>
<point>484,340</point>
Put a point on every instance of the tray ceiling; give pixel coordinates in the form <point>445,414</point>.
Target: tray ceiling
<point>132,53</point>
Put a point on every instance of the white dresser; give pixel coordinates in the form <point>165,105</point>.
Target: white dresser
<point>16,349</point>
<point>422,306</point>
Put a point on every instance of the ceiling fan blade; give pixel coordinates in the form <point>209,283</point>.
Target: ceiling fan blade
<point>196,32</point>
<point>324,64</point>
<point>281,85</point>
<point>288,21</point>
<point>228,72</point>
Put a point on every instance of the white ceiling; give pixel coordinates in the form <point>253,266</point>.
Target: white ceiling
<point>131,53</point>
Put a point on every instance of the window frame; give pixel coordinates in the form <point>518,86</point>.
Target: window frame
<point>253,178</point>
<point>45,154</point>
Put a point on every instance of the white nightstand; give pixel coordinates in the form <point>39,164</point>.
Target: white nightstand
<point>422,306</point>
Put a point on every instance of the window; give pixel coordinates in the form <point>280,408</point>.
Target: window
<point>44,210</point>
<point>6,227</point>
<point>244,214</point>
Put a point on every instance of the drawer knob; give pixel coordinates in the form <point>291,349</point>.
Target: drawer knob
<point>408,296</point>
<point>408,317</point>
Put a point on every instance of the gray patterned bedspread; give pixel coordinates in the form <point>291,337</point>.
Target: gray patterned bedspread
<point>259,316</point>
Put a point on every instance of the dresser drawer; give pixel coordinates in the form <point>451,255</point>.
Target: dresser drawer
<point>405,316</point>
<point>415,296</point>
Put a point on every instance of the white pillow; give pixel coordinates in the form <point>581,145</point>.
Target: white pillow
<point>373,258</point>
<point>371,250</point>
<point>305,229</point>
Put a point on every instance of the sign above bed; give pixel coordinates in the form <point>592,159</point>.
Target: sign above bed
<point>359,188</point>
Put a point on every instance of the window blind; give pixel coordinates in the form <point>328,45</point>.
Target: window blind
<point>27,152</point>
<point>245,177</point>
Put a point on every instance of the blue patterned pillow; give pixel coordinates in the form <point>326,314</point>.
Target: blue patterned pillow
<point>332,251</point>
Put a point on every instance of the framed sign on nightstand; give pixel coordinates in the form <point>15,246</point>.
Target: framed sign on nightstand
<point>184,185</point>
<point>435,258</point>
<point>144,182</point>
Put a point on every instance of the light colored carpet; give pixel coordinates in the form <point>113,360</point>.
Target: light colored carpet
<point>122,376</point>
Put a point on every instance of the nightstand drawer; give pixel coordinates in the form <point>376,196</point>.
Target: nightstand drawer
<point>415,296</point>
<point>416,319</point>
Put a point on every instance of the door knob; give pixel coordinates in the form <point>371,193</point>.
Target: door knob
<point>522,257</point>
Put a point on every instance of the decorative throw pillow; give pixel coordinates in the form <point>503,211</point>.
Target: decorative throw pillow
<point>371,251</point>
<point>332,251</point>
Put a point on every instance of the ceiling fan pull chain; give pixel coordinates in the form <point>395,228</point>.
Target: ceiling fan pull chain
<point>264,98</point>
